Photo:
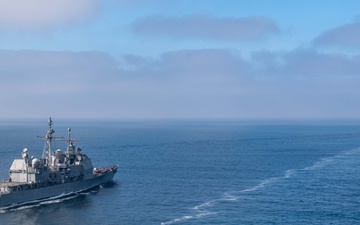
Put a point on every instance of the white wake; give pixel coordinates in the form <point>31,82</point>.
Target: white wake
<point>202,209</point>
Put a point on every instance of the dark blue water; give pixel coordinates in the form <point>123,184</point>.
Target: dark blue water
<point>199,172</point>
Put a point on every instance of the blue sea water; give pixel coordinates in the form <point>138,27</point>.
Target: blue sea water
<point>201,172</point>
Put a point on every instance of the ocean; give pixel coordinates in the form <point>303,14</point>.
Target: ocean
<point>201,172</point>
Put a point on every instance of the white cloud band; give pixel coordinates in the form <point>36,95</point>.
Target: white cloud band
<point>39,14</point>
<point>208,27</point>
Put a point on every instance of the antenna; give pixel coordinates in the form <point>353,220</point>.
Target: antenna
<point>47,152</point>
<point>70,150</point>
<point>70,141</point>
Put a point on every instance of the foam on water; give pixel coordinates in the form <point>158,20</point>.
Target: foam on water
<point>197,216</point>
<point>37,203</point>
<point>51,200</point>
<point>201,210</point>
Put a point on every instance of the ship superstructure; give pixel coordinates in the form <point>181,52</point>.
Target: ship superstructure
<point>55,173</point>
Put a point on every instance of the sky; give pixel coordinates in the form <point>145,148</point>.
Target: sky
<point>179,59</point>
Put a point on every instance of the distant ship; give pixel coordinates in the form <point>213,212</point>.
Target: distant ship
<point>57,173</point>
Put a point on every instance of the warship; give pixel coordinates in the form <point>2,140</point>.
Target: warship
<point>55,174</point>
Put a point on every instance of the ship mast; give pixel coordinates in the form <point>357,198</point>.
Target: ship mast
<point>47,152</point>
<point>70,150</point>
<point>70,141</point>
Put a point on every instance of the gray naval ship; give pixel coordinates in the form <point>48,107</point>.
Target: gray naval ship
<point>56,174</point>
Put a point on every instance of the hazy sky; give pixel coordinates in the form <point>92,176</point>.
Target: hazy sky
<point>179,59</point>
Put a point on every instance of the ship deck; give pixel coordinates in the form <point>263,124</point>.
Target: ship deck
<point>12,184</point>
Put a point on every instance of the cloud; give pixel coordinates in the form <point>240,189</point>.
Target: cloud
<point>347,36</point>
<point>68,84</point>
<point>220,83</point>
<point>135,2</point>
<point>202,62</point>
<point>201,72</point>
<point>40,14</point>
<point>94,84</point>
<point>207,27</point>
<point>134,61</point>
<point>227,64</point>
<point>306,64</point>
<point>202,83</point>
<point>47,71</point>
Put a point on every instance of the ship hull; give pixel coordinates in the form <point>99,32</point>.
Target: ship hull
<point>27,196</point>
